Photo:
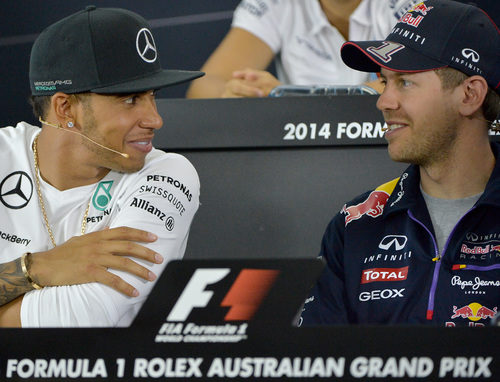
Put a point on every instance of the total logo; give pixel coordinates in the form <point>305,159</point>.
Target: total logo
<point>384,274</point>
<point>474,312</point>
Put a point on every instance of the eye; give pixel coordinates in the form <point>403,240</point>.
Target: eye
<point>131,100</point>
<point>406,83</point>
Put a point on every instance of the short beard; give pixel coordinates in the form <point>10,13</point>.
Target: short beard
<point>109,159</point>
<point>434,146</point>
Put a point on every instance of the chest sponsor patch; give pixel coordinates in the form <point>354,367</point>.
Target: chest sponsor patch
<point>384,274</point>
<point>474,312</point>
<point>475,285</point>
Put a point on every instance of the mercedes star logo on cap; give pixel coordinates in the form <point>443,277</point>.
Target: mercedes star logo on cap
<point>146,45</point>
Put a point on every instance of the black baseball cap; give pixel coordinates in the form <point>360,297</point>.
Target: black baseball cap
<point>100,50</point>
<point>431,35</point>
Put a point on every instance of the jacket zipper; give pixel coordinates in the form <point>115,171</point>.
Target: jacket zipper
<point>437,260</point>
<point>437,266</point>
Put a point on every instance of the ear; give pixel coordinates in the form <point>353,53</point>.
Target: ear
<point>474,91</point>
<point>63,106</point>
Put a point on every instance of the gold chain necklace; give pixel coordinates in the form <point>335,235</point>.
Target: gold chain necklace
<point>42,205</point>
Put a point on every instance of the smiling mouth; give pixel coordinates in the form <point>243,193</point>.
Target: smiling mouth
<point>145,145</point>
<point>393,126</point>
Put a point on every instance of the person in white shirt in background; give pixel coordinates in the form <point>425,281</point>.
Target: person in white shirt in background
<point>304,37</point>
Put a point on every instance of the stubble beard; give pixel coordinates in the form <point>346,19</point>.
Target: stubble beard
<point>430,145</point>
<point>106,158</point>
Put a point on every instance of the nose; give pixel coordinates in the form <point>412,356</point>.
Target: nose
<point>387,100</point>
<point>150,118</point>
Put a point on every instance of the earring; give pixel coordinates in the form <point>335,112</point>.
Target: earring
<point>70,124</point>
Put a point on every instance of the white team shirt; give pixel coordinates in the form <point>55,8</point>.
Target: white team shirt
<point>161,198</point>
<point>306,44</point>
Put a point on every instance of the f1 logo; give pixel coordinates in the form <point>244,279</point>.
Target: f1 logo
<point>243,298</point>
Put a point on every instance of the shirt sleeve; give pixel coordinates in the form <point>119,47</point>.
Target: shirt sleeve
<point>163,199</point>
<point>373,21</point>
<point>327,302</point>
<point>261,18</point>
<point>397,9</point>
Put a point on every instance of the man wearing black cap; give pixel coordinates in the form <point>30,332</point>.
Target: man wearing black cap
<point>425,247</point>
<point>88,191</point>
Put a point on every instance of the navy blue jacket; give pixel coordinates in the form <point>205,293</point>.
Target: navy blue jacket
<point>383,265</point>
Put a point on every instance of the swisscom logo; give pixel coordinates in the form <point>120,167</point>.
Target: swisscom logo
<point>242,300</point>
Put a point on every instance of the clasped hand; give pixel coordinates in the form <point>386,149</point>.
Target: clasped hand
<point>250,83</point>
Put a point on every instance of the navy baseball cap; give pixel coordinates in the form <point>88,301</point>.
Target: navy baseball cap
<point>100,50</point>
<point>434,34</point>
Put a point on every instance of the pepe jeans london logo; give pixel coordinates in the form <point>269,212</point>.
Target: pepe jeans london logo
<point>102,195</point>
<point>146,46</point>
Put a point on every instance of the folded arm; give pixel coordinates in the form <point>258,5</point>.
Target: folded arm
<point>97,304</point>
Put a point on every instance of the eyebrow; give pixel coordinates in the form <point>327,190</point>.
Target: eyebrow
<point>395,74</point>
<point>125,95</point>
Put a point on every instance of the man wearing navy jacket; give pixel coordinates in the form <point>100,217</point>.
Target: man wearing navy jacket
<point>424,248</point>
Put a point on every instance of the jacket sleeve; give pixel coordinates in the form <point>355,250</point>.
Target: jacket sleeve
<point>327,302</point>
<point>166,210</point>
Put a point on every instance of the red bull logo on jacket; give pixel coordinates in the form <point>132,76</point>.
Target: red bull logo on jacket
<point>373,206</point>
<point>474,312</point>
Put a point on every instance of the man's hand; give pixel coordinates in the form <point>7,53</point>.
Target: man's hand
<point>250,83</point>
<point>85,259</point>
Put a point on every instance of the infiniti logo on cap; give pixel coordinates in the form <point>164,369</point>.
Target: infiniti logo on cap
<point>472,54</point>
<point>145,45</point>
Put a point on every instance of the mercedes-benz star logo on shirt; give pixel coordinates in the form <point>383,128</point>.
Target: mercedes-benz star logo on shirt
<point>16,190</point>
<point>145,45</point>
